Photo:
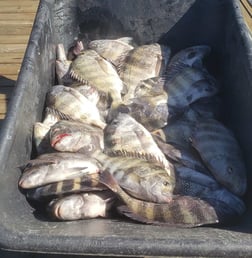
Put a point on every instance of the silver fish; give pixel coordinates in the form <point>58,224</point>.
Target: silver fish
<point>89,67</point>
<point>82,206</point>
<point>189,85</point>
<point>125,133</point>
<point>141,63</point>
<point>221,153</point>
<point>54,167</point>
<point>72,136</point>
<point>113,50</point>
<point>183,211</point>
<point>73,105</point>
<point>141,175</point>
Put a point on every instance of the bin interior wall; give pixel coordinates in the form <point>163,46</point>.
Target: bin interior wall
<point>179,24</point>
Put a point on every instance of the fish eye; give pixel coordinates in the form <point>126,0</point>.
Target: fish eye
<point>230,170</point>
<point>191,55</point>
<point>166,183</point>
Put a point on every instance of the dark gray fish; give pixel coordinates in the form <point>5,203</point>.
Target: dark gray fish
<point>188,57</point>
<point>221,153</point>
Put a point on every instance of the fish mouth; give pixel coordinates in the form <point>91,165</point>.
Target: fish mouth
<point>58,138</point>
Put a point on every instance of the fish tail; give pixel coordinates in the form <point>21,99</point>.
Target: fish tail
<point>107,179</point>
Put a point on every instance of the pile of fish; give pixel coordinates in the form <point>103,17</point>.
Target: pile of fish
<point>131,129</point>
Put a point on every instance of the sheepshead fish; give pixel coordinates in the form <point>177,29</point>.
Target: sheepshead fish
<point>55,167</point>
<point>151,87</point>
<point>62,66</point>
<point>141,176</point>
<point>180,211</point>
<point>72,105</point>
<point>41,138</point>
<point>189,85</point>
<point>190,182</point>
<point>188,57</point>
<point>181,155</point>
<point>114,50</point>
<point>86,183</point>
<point>178,132</point>
<point>125,133</point>
<point>221,153</point>
<point>72,136</point>
<point>89,67</point>
<point>141,63</point>
<point>82,206</point>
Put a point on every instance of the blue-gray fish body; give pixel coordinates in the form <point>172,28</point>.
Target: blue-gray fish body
<point>221,153</point>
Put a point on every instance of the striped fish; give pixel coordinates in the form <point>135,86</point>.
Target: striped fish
<point>55,167</point>
<point>181,211</point>
<point>141,63</point>
<point>82,206</point>
<point>141,175</point>
<point>125,133</point>
<point>187,86</point>
<point>221,153</point>
<point>71,103</point>
<point>73,136</point>
<point>112,49</point>
<point>62,188</point>
<point>188,57</point>
<point>89,67</point>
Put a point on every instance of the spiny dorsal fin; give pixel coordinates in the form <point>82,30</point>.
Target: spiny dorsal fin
<point>138,155</point>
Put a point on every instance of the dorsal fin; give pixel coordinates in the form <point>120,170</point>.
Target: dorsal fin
<point>138,155</point>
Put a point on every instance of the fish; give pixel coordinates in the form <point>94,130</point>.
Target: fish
<point>209,107</point>
<point>178,132</point>
<point>82,206</point>
<point>188,57</point>
<point>89,67</point>
<point>181,155</point>
<point>75,50</point>
<point>125,133</point>
<point>89,92</point>
<point>50,191</point>
<point>70,104</point>
<point>221,153</point>
<point>73,136</point>
<point>180,211</point>
<point>41,138</point>
<point>188,86</point>
<point>141,63</point>
<point>151,87</point>
<point>141,175</point>
<point>193,183</point>
<point>62,66</point>
<point>55,167</point>
<point>113,50</point>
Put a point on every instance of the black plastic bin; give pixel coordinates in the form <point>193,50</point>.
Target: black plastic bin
<point>178,23</point>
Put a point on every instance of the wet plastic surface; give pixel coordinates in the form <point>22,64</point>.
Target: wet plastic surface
<point>179,24</point>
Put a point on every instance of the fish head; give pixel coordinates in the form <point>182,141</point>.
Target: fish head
<point>191,56</point>
<point>232,173</point>
<point>160,187</point>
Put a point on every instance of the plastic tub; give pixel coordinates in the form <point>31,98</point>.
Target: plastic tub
<point>179,24</point>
